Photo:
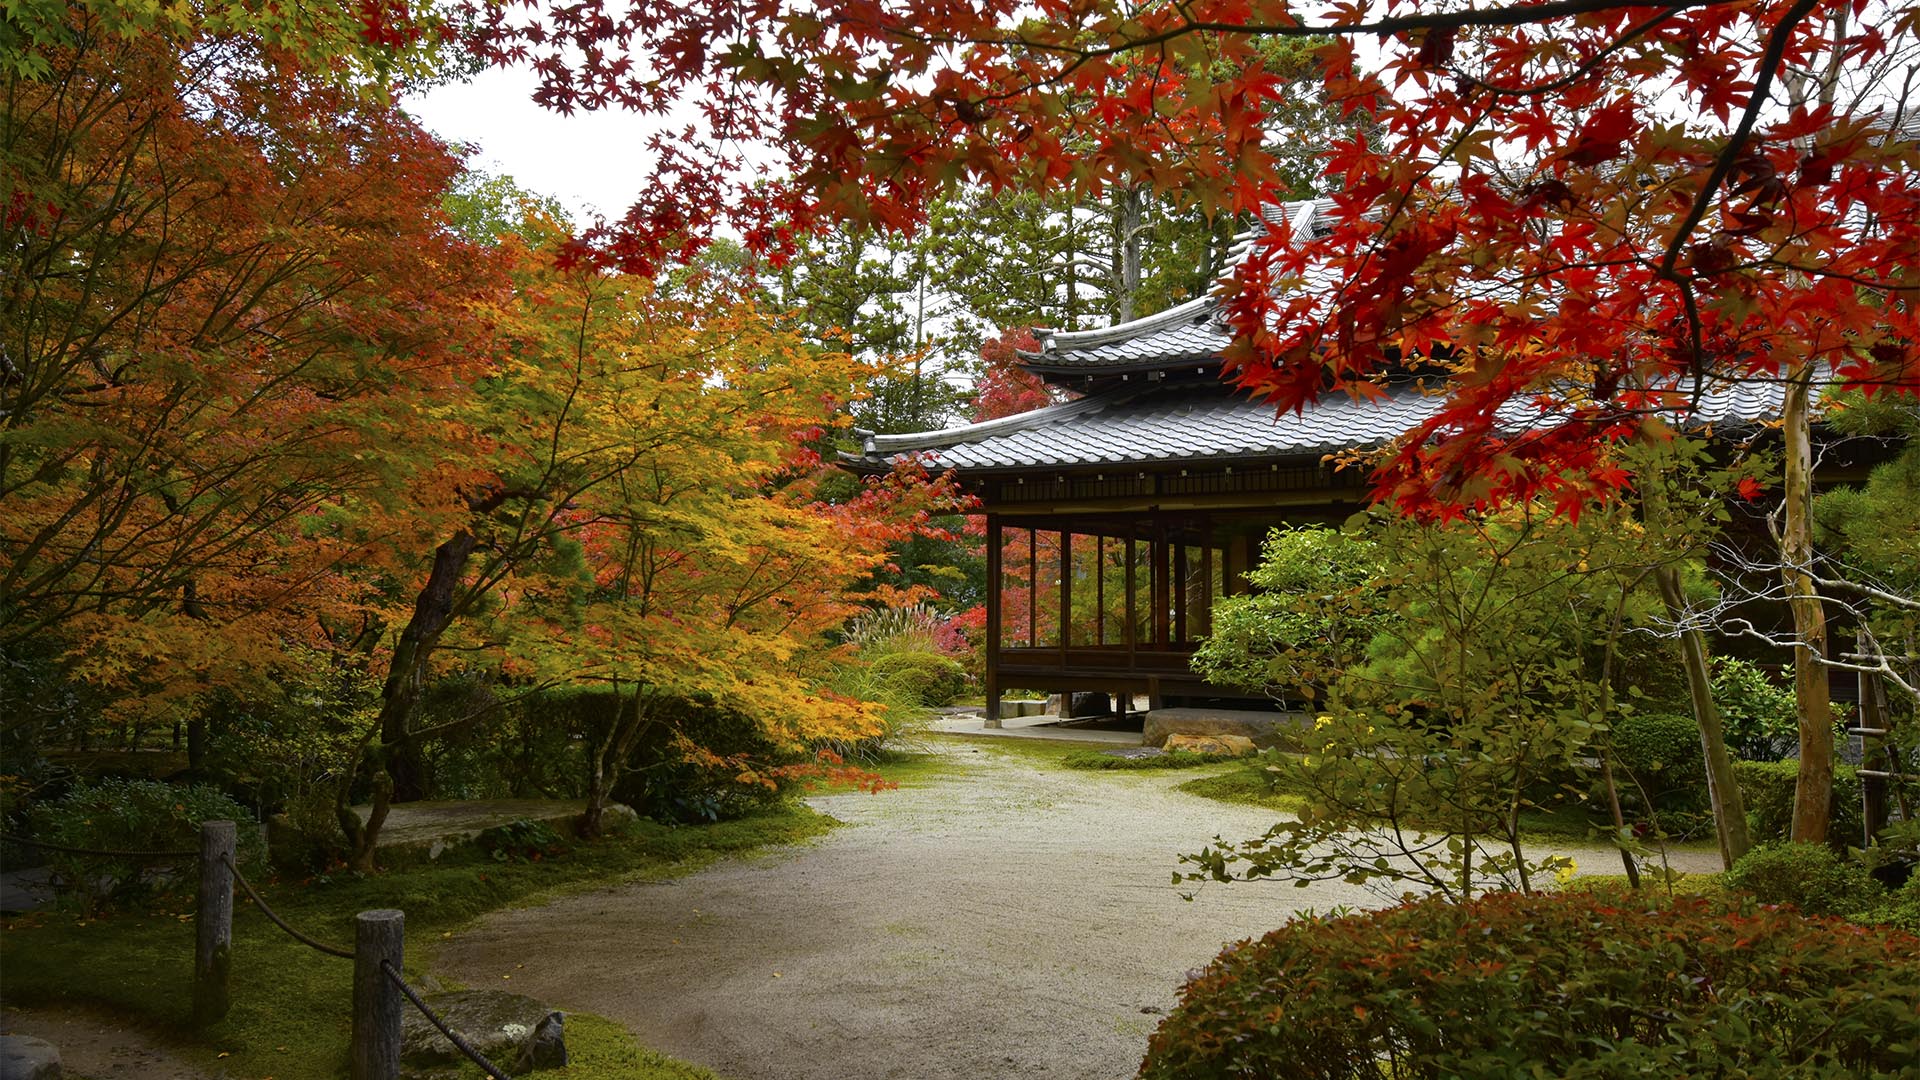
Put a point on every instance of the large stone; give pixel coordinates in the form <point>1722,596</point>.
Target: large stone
<point>507,1028</point>
<point>429,829</point>
<point>1266,729</point>
<point>1235,745</point>
<point>1087,703</point>
<point>23,1057</point>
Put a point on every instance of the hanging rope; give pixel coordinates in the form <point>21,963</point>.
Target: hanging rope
<point>330,950</point>
<point>102,852</point>
<point>453,1037</point>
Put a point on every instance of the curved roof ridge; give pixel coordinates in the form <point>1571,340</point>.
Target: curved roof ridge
<point>966,433</point>
<point>1084,339</point>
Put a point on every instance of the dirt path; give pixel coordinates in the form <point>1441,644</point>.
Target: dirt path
<point>98,1046</point>
<point>1005,921</point>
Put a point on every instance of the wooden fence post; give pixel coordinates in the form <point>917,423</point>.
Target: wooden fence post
<point>213,922</point>
<point>377,936</point>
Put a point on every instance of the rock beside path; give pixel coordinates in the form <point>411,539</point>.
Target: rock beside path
<point>1229,745</point>
<point>23,1057</point>
<point>1265,729</point>
<point>512,1031</point>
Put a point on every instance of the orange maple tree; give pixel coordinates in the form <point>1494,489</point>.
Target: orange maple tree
<point>231,304</point>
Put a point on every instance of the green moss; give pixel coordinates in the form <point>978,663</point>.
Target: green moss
<point>290,1016</point>
<point>908,768</point>
<point>1249,786</point>
<point>599,1049</point>
<point>1047,752</point>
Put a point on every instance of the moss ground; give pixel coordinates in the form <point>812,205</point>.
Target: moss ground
<point>290,1017</point>
<point>1249,785</point>
<point>908,767</point>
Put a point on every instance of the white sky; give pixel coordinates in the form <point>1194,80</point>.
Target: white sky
<point>591,162</point>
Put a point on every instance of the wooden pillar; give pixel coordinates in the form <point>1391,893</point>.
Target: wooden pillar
<point>1132,628</point>
<point>1203,614</point>
<point>213,922</point>
<point>378,938</point>
<point>996,609</point>
<point>1161,628</point>
<point>1066,601</point>
<point>1033,589</point>
<point>1179,576</point>
<point>1099,589</point>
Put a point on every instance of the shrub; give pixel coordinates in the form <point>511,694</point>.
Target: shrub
<point>1661,750</point>
<point>1568,985</point>
<point>520,840</point>
<point>134,815</point>
<point>1767,788</point>
<point>1811,877</point>
<point>686,767</point>
<point>1901,907</point>
<point>1662,771</point>
<point>1759,715</point>
<point>929,678</point>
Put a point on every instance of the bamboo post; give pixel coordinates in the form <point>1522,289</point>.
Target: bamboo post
<point>213,922</point>
<point>378,936</point>
<point>1875,723</point>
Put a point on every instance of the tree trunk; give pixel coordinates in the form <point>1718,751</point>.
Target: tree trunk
<point>1813,790</point>
<point>609,760</point>
<point>392,754</point>
<point>1128,211</point>
<point>1729,809</point>
<point>197,743</point>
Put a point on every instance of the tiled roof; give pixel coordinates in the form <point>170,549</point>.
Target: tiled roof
<point>1204,422</point>
<point>1191,332</point>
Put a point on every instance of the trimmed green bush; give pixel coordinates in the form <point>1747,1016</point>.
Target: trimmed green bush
<point>1767,789</point>
<point>1661,750</point>
<point>1811,877</point>
<point>1566,985</point>
<point>1901,908</point>
<point>134,815</point>
<point>1661,771</point>
<point>1760,717</point>
<point>929,678</point>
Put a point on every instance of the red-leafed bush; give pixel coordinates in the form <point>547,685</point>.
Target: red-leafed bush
<point>1569,985</point>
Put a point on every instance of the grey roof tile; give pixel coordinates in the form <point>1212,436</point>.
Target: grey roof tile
<point>1198,423</point>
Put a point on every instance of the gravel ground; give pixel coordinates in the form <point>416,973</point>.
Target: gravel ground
<point>99,1046</point>
<point>1005,920</point>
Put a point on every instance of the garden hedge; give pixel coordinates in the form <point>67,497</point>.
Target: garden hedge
<point>1767,789</point>
<point>927,678</point>
<point>1568,985</point>
<point>1811,877</point>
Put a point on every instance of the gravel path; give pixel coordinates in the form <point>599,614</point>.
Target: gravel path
<point>99,1046</point>
<point>1004,920</point>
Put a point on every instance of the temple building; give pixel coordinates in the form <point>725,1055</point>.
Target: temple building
<point>1116,519</point>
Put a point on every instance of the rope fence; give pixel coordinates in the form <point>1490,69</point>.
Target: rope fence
<point>105,853</point>
<point>274,917</point>
<point>379,989</point>
<point>453,1036</point>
